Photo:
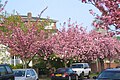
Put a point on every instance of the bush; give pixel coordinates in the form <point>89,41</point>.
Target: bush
<point>18,66</point>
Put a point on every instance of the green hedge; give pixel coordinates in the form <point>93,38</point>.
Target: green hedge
<point>18,66</point>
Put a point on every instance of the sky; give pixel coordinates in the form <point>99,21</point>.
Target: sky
<point>60,10</point>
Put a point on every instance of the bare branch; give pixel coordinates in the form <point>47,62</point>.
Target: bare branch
<point>2,7</point>
<point>42,12</point>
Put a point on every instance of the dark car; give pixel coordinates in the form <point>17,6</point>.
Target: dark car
<point>6,72</point>
<point>109,74</point>
<point>64,74</point>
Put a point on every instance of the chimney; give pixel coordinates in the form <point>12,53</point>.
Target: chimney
<point>29,14</point>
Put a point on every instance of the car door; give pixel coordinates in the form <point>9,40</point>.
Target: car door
<point>33,75</point>
<point>86,69</point>
<point>2,73</point>
<point>28,75</point>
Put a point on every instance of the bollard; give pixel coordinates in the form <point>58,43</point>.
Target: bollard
<point>69,78</point>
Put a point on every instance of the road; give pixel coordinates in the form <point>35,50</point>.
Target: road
<point>79,79</point>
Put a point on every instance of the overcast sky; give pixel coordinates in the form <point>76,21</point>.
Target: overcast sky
<point>60,10</point>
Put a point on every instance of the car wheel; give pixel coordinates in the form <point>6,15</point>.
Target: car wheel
<point>88,76</point>
<point>74,78</point>
<point>82,75</point>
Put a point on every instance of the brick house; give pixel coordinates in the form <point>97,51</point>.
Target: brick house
<point>96,66</point>
<point>29,18</point>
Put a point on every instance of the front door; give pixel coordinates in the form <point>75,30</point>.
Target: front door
<point>28,75</point>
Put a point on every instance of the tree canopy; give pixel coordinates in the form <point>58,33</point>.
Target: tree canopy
<point>80,45</point>
<point>110,17</point>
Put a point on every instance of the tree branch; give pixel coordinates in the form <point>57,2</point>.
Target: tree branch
<point>42,12</point>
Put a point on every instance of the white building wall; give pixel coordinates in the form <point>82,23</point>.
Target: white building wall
<point>50,26</point>
<point>4,54</point>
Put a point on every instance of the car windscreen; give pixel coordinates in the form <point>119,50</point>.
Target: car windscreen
<point>19,73</point>
<point>77,66</point>
<point>110,75</point>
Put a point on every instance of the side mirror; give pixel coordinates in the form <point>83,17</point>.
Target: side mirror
<point>85,67</point>
<point>28,75</point>
<point>94,77</point>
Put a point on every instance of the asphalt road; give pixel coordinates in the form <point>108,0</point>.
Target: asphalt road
<point>79,79</point>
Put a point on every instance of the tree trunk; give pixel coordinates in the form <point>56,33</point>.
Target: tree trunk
<point>65,63</point>
<point>109,65</point>
<point>71,61</point>
<point>25,64</point>
<point>101,64</point>
<point>97,65</point>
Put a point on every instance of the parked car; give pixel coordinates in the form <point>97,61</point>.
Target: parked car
<point>6,72</point>
<point>25,74</point>
<point>64,74</point>
<point>109,74</point>
<point>82,69</point>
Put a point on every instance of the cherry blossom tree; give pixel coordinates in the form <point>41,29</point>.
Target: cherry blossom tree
<point>110,17</point>
<point>105,47</point>
<point>64,43</point>
<point>25,41</point>
<point>77,44</point>
<point>22,43</point>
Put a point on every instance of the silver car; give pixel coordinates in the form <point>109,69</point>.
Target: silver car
<point>25,74</point>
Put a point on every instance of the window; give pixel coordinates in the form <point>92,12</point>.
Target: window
<point>32,73</point>
<point>61,70</point>
<point>80,65</point>
<point>28,72</point>
<point>77,66</point>
<point>2,70</point>
<point>69,70</point>
<point>110,75</point>
<point>19,73</point>
<point>86,66</point>
<point>8,69</point>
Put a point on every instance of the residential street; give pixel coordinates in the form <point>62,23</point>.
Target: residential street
<point>73,39</point>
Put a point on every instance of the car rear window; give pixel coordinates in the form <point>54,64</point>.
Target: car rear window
<point>64,70</point>
<point>61,70</point>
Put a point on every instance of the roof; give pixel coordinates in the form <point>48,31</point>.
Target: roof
<point>36,18</point>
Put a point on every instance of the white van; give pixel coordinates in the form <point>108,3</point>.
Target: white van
<point>82,69</point>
